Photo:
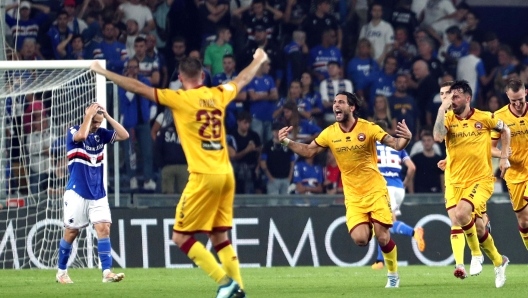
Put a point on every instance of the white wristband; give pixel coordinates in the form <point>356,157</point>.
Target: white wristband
<point>285,142</point>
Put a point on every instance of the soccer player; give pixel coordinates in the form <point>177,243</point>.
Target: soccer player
<point>467,132</point>
<point>353,143</point>
<point>206,204</point>
<point>514,117</point>
<point>85,198</point>
<point>390,165</point>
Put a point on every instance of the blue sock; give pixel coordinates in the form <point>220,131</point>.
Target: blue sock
<point>399,227</point>
<point>380,254</point>
<point>64,254</point>
<point>105,253</point>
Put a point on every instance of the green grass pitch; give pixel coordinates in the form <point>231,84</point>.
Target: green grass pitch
<point>416,281</point>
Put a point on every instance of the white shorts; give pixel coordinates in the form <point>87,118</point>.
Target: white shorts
<point>79,212</point>
<point>396,195</point>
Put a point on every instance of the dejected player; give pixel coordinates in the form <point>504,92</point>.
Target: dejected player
<point>206,204</point>
<point>85,198</point>
<point>353,143</point>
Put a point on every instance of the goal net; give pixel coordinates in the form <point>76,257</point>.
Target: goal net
<point>39,101</point>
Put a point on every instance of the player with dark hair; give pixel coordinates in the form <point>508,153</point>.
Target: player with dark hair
<point>467,132</point>
<point>206,204</point>
<point>352,140</point>
<point>85,197</point>
<point>515,117</point>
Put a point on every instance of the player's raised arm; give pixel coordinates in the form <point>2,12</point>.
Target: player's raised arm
<point>305,150</point>
<point>439,130</point>
<point>403,134</point>
<point>248,73</point>
<point>129,84</point>
<point>121,132</point>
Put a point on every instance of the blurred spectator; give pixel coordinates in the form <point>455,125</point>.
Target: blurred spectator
<point>111,50</point>
<point>490,56</point>
<point>302,130</point>
<point>134,9</point>
<point>524,50</point>
<point>426,48</point>
<point>38,143</point>
<point>308,178</point>
<point>493,104</point>
<point>427,88</point>
<point>418,147</point>
<point>314,97</point>
<point>436,10</point>
<point>471,69</point>
<point>262,95</point>
<point>259,13</point>
<point>33,105</point>
<point>273,51</point>
<point>174,174</point>
<point>58,172</point>
<point>320,21</point>
<point>75,24</point>
<point>403,50</point>
<point>403,106</point>
<point>295,95</point>
<point>159,13</point>
<point>383,82</point>
<point>295,56</point>
<point>25,26</point>
<point>322,54</point>
<point>76,44</point>
<point>379,32</point>
<point>457,49</point>
<point>136,112</point>
<point>173,62</point>
<point>215,52</point>
<point>57,34</point>
<point>506,66</point>
<point>428,178</point>
<point>362,67</point>
<point>273,162</point>
<point>438,29</point>
<point>330,87</point>
<point>213,13</point>
<point>246,159</point>
<point>148,66</point>
<point>332,183</point>
<point>404,17</point>
<point>153,53</point>
<point>471,30</point>
<point>132,32</point>
<point>207,81</point>
<point>28,50</point>
<point>382,112</point>
<point>294,15</point>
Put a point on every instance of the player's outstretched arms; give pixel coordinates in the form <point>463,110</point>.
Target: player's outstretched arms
<point>248,73</point>
<point>403,134</point>
<point>84,130</point>
<point>121,132</point>
<point>305,150</point>
<point>129,84</point>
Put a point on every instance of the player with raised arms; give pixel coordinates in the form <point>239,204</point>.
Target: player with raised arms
<point>85,197</point>
<point>206,204</point>
<point>353,143</point>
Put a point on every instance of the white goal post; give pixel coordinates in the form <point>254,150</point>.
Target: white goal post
<point>39,100</point>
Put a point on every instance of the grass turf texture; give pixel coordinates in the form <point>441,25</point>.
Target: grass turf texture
<point>416,281</point>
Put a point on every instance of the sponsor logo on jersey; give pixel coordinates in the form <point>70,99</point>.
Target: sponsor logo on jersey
<point>212,145</point>
<point>336,141</point>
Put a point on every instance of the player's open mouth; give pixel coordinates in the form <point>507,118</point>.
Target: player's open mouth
<point>338,112</point>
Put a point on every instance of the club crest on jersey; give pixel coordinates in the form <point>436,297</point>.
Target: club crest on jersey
<point>361,137</point>
<point>97,138</point>
<point>478,125</point>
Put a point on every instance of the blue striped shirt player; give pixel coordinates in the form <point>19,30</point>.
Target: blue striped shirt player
<point>85,198</point>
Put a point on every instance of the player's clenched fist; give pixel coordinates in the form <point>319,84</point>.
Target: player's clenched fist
<point>283,135</point>
<point>260,55</point>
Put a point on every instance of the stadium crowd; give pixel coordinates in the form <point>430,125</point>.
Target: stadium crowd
<point>393,54</point>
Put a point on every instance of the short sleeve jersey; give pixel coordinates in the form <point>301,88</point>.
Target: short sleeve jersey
<point>356,156</point>
<point>518,172</point>
<point>468,143</point>
<point>199,118</point>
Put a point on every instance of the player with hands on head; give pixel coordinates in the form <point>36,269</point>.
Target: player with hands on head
<point>85,199</point>
<point>352,140</point>
<point>467,133</point>
<point>206,204</point>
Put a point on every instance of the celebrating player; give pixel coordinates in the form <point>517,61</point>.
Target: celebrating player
<point>353,143</point>
<point>390,165</point>
<point>85,196</point>
<point>467,132</point>
<point>514,117</point>
<point>206,204</point>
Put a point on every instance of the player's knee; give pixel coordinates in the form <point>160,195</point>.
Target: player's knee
<point>103,230</point>
<point>462,217</point>
<point>179,239</point>
<point>360,241</point>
